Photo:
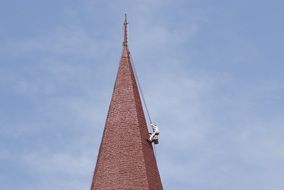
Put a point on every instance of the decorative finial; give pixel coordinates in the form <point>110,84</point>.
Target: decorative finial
<point>125,31</point>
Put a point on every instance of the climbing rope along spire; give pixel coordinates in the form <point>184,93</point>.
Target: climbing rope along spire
<point>143,98</point>
<point>140,90</point>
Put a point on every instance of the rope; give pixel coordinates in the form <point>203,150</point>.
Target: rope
<point>143,99</point>
<point>140,89</point>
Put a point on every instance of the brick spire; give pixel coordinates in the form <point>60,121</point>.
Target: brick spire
<point>126,160</point>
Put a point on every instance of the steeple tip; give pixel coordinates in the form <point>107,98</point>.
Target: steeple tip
<point>125,41</point>
<point>125,18</point>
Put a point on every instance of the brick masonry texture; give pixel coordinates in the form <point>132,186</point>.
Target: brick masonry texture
<point>126,160</point>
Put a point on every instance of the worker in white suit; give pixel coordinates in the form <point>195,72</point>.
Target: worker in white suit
<point>156,131</point>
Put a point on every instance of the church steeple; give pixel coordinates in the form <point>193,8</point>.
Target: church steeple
<point>126,160</point>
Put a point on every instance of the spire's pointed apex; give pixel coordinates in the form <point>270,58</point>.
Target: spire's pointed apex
<point>125,41</point>
<point>125,18</point>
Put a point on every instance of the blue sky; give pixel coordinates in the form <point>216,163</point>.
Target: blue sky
<point>211,72</point>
